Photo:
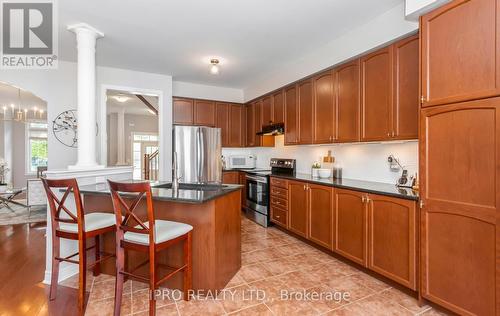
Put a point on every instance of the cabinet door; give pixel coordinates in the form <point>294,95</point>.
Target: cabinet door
<point>376,95</point>
<point>305,91</point>
<point>242,177</point>
<point>222,122</point>
<point>204,113</point>
<point>235,122</point>
<point>297,208</point>
<point>291,116</point>
<point>321,215</point>
<point>406,102</point>
<point>347,86</point>
<point>460,176</point>
<point>230,177</point>
<point>278,107</point>
<point>250,136</point>
<point>350,225</point>
<point>460,52</point>
<point>324,109</point>
<point>183,111</point>
<point>267,110</point>
<point>392,238</point>
<point>257,113</point>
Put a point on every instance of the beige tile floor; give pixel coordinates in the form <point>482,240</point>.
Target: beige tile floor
<point>274,265</point>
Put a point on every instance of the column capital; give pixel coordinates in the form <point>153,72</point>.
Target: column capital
<point>84,27</point>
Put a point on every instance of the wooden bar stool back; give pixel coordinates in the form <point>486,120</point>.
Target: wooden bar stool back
<point>75,226</point>
<point>149,237</point>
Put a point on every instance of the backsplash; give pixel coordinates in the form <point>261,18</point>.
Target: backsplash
<point>361,161</point>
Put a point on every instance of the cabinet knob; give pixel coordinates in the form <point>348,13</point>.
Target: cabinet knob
<point>277,216</point>
<point>388,134</point>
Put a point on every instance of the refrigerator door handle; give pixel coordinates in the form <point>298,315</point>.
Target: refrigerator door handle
<point>198,155</point>
<point>203,176</point>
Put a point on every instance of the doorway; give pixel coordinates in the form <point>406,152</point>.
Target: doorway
<point>145,156</point>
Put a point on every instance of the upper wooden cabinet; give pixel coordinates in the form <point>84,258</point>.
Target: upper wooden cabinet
<point>406,100</point>
<point>297,208</point>
<point>278,107</point>
<point>267,111</point>
<point>183,109</point>
<point>392,230</point>
<point>250,122</point>
<point>460,50</point>
<point>347,93</point>
<point>461,223</point>
<point>321,214</point>
<point>305,102</point>
<point>376,95</point>
<point>257,120</point>
<point>236,125</point>
<point>222,121</point>
<point>323,108</point>
<point>291,116</point>
<point>350,225</point>
<point>204,113</point>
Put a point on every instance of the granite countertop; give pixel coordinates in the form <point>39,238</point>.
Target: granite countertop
<point>358,185</point>
<point>187,193</point>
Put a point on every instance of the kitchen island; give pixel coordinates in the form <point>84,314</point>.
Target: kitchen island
<point>212,210</point>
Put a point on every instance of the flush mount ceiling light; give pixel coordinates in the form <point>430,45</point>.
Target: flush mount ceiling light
<point>121,98</point>
<point>214,66</point>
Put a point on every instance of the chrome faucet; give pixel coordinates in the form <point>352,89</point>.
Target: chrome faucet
<point>175,176</point>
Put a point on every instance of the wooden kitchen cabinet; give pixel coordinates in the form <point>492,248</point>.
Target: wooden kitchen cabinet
<point>278,107</point>
<point>392,238</point>
<point>460,52</point>
<point>305,103</point>
<point>183,109</point>
<point>267,111</point>
<point>323,108</point>
<point>376,95</point>
<point>291,116</point>
<point>204,113</point>
<point>406,100</point>
<point>250,117</point>
<point>297,208</point>
<point>243,182</point>
<point>461,223</point>
<point>347,105</point>
<point>321,214</point>
<point>351,225</point>
<point>231,177</point>
<point>222,121</point>
<point>236,125</point>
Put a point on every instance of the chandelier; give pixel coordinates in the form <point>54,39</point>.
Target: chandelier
<point>20,113</point>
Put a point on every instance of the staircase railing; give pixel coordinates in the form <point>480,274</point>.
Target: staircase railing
<point>151,164</point>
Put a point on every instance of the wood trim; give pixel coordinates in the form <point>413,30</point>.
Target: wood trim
<point>146,102</point>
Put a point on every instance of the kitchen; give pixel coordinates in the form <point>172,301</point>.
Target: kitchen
<point>359,178</point>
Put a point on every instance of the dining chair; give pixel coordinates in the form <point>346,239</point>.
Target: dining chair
<point>73,225</point>
<point>150,237</point>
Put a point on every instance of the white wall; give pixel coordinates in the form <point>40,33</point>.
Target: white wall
<point>192,90</point>
<point>415,8</point>
<point>361,161</point>
<point>375,33</point>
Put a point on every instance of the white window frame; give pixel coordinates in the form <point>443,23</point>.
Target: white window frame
<point>132,141</point>
<point>27,149</point>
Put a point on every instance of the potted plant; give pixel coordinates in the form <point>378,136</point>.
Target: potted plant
<point>3,172</point>
<point>315,169</point>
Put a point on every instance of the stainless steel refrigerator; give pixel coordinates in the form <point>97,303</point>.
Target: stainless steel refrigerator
<point>199,154</point>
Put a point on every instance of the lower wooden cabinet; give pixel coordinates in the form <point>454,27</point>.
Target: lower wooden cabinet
<point>231,177</point>
<point>351,225</point>
<point>321,212</point>
<point>297,208</point>
<point>392,238</point>
<point>243,182</point>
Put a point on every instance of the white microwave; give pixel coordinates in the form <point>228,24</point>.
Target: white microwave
<point>240,162</point>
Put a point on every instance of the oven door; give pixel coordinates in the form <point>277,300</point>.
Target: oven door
<point>257,193</point>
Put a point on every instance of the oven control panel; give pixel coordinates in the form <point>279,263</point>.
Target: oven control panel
<point>283,163</point>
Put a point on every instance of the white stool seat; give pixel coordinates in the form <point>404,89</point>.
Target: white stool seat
<point>164,231</point>
<point>93,221</point>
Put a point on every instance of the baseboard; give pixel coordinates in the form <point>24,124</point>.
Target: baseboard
<point>64,273</point>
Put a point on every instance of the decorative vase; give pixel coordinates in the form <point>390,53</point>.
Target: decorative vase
<point>315,172</point>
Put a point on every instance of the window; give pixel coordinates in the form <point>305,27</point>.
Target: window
<point>143,143</point>
<point>36,146</point>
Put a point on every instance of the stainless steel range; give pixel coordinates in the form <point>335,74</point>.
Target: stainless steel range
<point>257,189</point>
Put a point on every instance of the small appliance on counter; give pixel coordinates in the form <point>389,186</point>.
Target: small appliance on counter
<point>240,161</point>
<point>257,189</point>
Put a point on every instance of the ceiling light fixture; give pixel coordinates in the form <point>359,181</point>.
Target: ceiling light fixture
<point>121,98</point>
<point>214,66</point>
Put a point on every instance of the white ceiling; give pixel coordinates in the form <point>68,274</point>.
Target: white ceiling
<point>177,37</point>
<point>20,98</point>
<point>132,105</point>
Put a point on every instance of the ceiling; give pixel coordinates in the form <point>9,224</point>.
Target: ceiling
<point>20,98</point>
<point>132,104</point>
<point>178,37</point>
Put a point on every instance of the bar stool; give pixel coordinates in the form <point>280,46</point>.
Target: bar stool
<point>149,237</point>
<point>81,226</point>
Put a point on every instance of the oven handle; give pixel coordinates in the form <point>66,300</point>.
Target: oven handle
<point>258,179</point>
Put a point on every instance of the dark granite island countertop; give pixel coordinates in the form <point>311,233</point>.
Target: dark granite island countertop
<point>357,185</point>
<point>162,191</point>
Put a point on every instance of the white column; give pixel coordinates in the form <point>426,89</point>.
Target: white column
<point>86,37</point>
<point>120,138</point>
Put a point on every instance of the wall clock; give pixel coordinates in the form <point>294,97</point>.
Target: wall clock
<point>64,128</point>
